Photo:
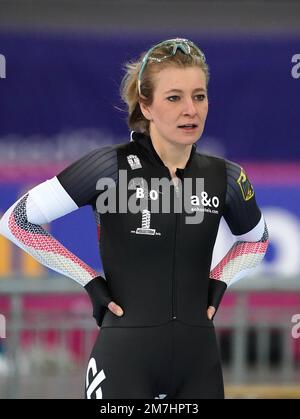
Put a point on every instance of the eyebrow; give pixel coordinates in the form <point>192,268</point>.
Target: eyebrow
<point>199,89</point>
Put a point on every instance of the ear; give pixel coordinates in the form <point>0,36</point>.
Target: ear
<point>145,111</point>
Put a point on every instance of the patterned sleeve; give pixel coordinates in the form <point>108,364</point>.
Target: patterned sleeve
<point>54,198</point>
<point>247,223</point>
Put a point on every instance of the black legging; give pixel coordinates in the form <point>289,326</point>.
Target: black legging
<point>175,361</point>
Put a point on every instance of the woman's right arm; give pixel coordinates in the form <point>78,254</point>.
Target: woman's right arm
<point>22,224</point>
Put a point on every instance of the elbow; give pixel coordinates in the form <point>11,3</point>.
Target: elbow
<point>265,248</point>
<point>266,233</point>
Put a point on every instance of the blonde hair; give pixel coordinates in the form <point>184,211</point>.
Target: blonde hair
<point>129,86</point>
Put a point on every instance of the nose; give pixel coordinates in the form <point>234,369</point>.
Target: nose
<point>189,108</point>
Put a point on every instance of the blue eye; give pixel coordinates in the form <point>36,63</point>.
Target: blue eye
<point>173,98</point>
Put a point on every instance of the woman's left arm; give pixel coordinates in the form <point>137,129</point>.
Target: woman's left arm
<point>247,224</point>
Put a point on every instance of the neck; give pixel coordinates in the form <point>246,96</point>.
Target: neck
<point>173,155</point>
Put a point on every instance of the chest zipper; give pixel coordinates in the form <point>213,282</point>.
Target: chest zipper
<point>176,195</point>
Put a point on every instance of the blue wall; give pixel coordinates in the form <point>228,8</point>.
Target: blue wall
<point>61,83</point>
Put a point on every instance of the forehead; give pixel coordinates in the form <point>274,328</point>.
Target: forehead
<point>179,78</point>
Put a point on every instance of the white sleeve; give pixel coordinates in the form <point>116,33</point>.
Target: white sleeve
<point>48,201</point>
<point>243,257</point>
<point>255,234</point>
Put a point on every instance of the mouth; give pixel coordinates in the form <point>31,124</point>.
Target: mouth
<point>188,127</point>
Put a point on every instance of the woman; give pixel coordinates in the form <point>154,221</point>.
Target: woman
<point>159,203</point>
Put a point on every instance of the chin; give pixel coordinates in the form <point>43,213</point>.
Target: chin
<point>188,139</point>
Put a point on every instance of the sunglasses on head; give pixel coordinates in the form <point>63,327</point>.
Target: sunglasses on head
<point>172,45</point>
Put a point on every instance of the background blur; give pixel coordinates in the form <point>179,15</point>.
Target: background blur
<point>60,69</point>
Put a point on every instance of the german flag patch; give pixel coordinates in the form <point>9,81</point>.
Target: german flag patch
<point>245,186</point>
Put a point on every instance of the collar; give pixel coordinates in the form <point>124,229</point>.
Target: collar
<point>144,141</point>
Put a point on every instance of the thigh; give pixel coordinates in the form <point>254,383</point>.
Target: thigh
<point>202,386</point>
<point>198,372</point>
<point>119,366</point>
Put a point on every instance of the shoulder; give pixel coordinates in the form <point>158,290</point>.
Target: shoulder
<point>237,179</point>
<point>208,160</point>
<point>80,177</point>
<point>92,162</point>
<point>233,168</point>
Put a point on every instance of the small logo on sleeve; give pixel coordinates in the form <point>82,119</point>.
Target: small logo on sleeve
<point>245,186</point>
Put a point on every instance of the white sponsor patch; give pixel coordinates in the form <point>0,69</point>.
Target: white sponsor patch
<point>134,161</point>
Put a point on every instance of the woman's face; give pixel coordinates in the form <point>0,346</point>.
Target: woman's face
<point>179,108</point>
